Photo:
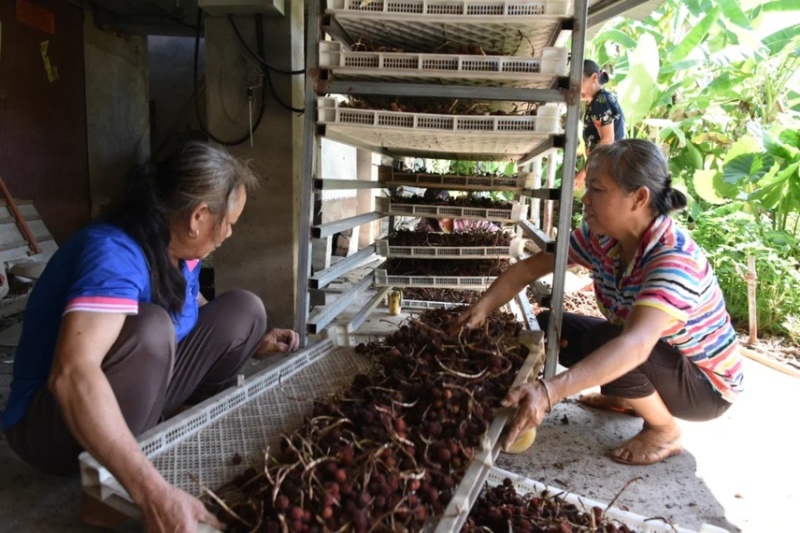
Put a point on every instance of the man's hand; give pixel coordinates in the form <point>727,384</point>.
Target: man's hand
<point>171,510</point>
<point>279,340</point>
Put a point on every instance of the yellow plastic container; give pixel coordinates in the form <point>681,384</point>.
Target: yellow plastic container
<point>523,442</point>
<point>395,300</point>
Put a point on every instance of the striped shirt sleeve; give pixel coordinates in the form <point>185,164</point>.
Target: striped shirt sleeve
<point>579,252</point>
<point>110,276</point>
<point>671,284</point>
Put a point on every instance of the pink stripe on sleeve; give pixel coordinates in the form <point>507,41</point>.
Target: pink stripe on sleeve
<point>102,304</point>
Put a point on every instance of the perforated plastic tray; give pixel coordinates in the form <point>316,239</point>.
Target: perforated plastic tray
<point>516,183</point>
<point>442,252</point>
<point>427,304</point>
<point>342,337</point>
<point>384,279</point>
<point>475,70</point>
<point>488,138</point>
<point>638,522</point>
<point>389,207</point>
<point>471,484</point>
<point>511,27</point>
<point>202,441</point>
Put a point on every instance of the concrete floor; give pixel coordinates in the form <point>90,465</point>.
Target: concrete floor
<point>739,472</point>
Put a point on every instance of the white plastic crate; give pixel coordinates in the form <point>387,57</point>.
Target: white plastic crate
<point>476,137</point>
<point>554,60</point>
<point>549,116</point>
<point>331,113</point>
<point>479,70</point>
<point>516,183</point>
<point>199,445</point>
<point>508,27</point>
<point>202,441</point>
<point>415,305</point>
<point>388,207</point>
<point>339,334</point>
<point>384,279</point>
<point>422,305</point>
<point>640,523</point>
<point>472,8</point>
<point>442,252</point>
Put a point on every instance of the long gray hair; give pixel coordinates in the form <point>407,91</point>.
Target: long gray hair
<point>158,196</point>
<point>635,163</point>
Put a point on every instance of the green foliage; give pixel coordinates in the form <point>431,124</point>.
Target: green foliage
<point>638,90</point>
<point>486,168</point>
<point>463,168</point>
<point>714,83</point>
<point>728,236</point>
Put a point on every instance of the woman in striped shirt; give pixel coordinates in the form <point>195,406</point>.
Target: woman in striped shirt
<point>666,347</point>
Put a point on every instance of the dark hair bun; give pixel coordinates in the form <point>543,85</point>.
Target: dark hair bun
<point>602,77</point>
<point>675,200</point>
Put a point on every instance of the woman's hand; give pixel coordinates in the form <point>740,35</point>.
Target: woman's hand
<point>279,340</point>
<point>172,510</point>
<point>532,403</point>
<point>471,318</point>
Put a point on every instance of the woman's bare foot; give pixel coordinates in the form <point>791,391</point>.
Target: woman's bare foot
<point>615,404</point>
<point>651,445</point>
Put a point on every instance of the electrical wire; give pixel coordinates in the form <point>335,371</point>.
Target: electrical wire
<point>278,98</point>
<point>177,18</point>
<point>197,96</point>
<point>259,21</point>
<point>260,58</point>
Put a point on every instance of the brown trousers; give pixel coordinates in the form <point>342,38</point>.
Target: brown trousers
<point>151,375</point>
<point>683,387</point>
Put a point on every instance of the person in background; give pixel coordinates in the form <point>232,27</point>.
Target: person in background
<point>116,335</point>
<point>449,225</point>
<point>666,347</point>
<point>603,121</point>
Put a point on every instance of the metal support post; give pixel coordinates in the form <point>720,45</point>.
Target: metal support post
<point>567,183</point>
<point>308,172</point>
<point>547,219</point>
<point>536,204</point>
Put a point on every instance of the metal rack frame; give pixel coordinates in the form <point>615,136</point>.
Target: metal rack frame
<point>564,90</point>
<point>561,92</point>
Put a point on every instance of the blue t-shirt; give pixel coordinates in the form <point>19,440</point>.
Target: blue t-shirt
<point>100,269</point>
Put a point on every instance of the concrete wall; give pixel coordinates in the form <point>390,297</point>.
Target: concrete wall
<point>117,109</point>
<point>262,253</point>
<point>338,162</point>
<point>173,119</point>
<point>344,162</point>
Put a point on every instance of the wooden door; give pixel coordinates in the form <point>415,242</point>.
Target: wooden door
<point>43,147</point>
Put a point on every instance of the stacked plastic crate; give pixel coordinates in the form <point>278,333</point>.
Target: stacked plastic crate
<point>379,76</point>
<point>492,248</point>
<point>395,50</point>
